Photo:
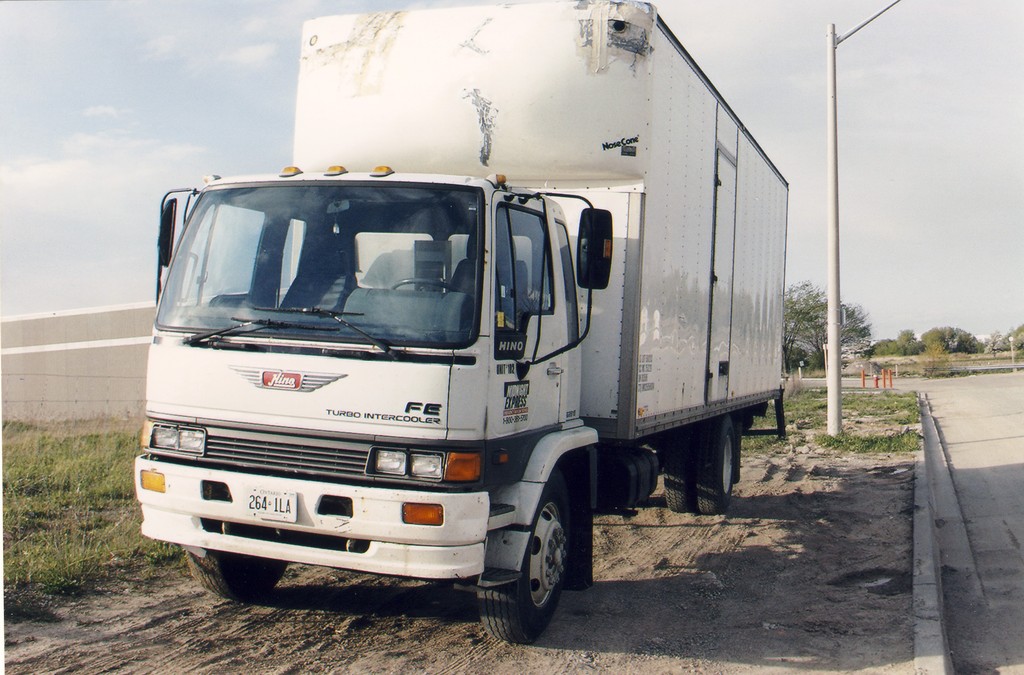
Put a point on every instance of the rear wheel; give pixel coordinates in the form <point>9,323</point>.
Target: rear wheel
<point>680,480</point>
<point>519,612</point>
<point>719,452</point>
<point>236,577</point>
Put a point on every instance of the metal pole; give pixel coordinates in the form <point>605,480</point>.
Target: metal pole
<point>834,353</point>
<point>864,23</point>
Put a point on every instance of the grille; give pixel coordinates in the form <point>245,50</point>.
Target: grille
<point>302,453</point>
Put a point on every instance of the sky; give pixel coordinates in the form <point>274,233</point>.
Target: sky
<point>107,105</point>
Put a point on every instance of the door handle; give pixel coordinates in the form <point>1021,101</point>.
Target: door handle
<point>554,369</point>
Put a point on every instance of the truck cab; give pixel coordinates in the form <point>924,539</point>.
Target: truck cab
<point>371,371</point>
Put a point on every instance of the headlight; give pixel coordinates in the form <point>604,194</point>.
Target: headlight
<point>165,437</point>
<point>191,440</point>
<point>178,439</point>
<point>390,462</point>
<point>427,466</point>
<point>423,464</point>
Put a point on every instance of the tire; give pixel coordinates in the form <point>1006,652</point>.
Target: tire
<point>680,480</point>
<point>520,611</point>
<point>236,577</point>
<point>719,450</point>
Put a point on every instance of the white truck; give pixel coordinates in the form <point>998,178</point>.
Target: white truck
<point>526,260</point>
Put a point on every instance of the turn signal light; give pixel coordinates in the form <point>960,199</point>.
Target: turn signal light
<point>152,481</point>
<point>462,466</point>
<point>422,514</point>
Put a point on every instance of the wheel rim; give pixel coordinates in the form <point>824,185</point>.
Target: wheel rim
<point>547,555</point>
<point>726,462</point>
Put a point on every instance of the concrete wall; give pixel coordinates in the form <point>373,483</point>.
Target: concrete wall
<point>76,365</point>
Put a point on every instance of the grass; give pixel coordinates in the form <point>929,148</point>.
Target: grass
<point>70,516</point>
<point>873,422</point>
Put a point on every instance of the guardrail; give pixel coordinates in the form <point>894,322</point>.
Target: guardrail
<point>981,369</point>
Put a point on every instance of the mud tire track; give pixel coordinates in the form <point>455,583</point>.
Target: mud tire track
<point>811,563</point>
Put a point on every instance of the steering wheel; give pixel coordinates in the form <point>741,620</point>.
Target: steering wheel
<point>436,283</point>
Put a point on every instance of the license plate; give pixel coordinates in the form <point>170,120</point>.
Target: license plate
<point>273,505</point>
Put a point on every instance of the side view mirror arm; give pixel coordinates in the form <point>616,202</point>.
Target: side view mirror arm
<point>165,240</point>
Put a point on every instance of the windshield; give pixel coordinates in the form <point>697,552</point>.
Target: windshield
<point>399,264</point>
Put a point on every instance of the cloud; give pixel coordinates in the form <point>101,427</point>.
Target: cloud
<point>251,55</point>
<point>93,245</point>
<point>104,111</point>
<point>127,163</point>
<point>162,47</point>
<point>255,25</point>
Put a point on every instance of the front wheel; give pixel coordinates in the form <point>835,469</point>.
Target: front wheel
<point>236,577</point>
<point>519,612</point>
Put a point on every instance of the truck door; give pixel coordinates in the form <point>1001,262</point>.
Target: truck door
<point>524,323</point>
<point>720,311</point>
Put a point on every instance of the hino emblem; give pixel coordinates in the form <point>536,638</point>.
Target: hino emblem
<point>287,381</point>
<point>275,379</point>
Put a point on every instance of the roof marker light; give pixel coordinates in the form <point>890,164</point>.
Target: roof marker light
<point>381,171</point>
<point>290,171</point>
<point>498,180</point>
<point>336,170</point>
<point>209,179</point>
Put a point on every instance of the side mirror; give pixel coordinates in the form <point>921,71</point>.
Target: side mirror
<point>594,249</point>
<point>165,243</point>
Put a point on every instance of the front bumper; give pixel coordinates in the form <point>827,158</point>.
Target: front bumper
<point>373,539</point>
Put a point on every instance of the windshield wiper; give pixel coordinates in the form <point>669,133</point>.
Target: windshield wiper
<point>251,324</point>
<point>377,342</point>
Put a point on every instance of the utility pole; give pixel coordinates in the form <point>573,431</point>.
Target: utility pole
<point>834,352</point>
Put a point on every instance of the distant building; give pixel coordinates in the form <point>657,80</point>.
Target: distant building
<point>78,364</point>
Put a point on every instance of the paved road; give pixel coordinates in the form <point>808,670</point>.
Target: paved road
<point>981,424</point>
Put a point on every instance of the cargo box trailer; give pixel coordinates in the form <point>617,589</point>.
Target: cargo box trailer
<point>525,261</point>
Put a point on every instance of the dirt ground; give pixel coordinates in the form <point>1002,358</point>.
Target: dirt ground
<point>810,571</point>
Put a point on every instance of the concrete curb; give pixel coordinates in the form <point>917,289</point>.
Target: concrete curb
<point>931,650</point>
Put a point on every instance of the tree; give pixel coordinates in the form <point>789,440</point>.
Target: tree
<point>935,360</point>
<point>908,343</point>
<point>951,340</point>
<point>805,323</point>
<point>885,348</point>
<point>905,344</point>
<point>1015,338</point>
<point>806,326</point>
<point>997,342</point>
